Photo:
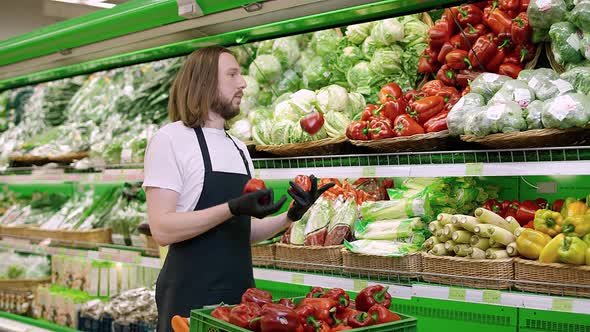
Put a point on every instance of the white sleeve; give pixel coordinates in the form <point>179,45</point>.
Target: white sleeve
<point>161,167</point>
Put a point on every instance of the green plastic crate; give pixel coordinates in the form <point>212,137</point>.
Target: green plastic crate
<point>201,321</point>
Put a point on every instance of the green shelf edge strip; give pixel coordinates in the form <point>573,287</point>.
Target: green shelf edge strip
<point>36,322</point>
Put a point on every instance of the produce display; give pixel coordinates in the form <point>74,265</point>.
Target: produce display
<point>321,310</point>
<point>17,266</point>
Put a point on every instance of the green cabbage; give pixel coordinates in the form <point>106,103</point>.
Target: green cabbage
<point>303,101</point>
<point>565,43</point>
<point>266,68</point>
<point>580,15</point>
<point>285,111</point>
<point>415,31</point>
<point>286,50</point>
<point>357,103</point>
<point>387,61</point>
<point>357,33</point>
<point>333,98</point>
<point>261,132</point>
<point>252,87</point>
<point>336,123</point>
<point>259,115</point>
<point>567,111</point>
<point>315,75</point>
<point>369,46</point>
<point>281,131</point>
<point>359,77</point>
<point>325,42</point>
<point>388,31</point>
<point>289,83</point>
<point>264,47</point>
<point>243,54</point>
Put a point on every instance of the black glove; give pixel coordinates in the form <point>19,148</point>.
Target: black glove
<point>252,204</point>
<point>303,200</point>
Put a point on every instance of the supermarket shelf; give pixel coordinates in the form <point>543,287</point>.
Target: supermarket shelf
<point>10,325</point>
<point>491,297</point>
<point>16,323</point>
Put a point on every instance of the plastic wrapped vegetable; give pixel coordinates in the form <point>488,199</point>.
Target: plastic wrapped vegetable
<point>544,13</point>
<point>580,15</point>
<point>477,122</point>
<point>383,210</point>
<point>340,227</point>
<point>297,230</point>
<point>565,43</point>
<point>546,73</point>
<point>388,31</point>
<point>457,115</point>
<point>533,115</point>
<point>317,224</point>
<point>516,91</point>
<point>396,229</point>
<point>507,117</point>
<point>567,111</point>
<point>488,84</point>
<point>579,78</point>
<point>380,248</point>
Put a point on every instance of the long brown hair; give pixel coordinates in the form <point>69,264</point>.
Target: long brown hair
<point>195,88</point>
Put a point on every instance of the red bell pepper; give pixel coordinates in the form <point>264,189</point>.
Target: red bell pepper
<point>393,108</point>
<point>258,296</point>
<point>380,129</point>
<point>483,51</point>
<point>451,102</point>
<point>312,123</point>
<point>510,69</point>
<point>521,29</point>
<point>447,75</point>
<point>439,35</point>
<point>316,292</point>
<point>307,315</point>
<point>494,206</point>
<point>287,303</point>
<point>524,5</point>
<point>246,316</point>
<point>494,64</point>
<point>426,108</point>
<point>324,307</point>
<point>513,58</point>
<point>405,125</point>
<point>465,77</point>
<point>371,111</point>
<point>497,20</point>
<point>222,313</point>
<point>466,91</point>
<point>557,205</point>
<point>473,32</point>
<point>372,295</point>
<point>437,123</point>
<point>510,208</point>
<point>509,5</point>
<point>469,14</point>
<point>358,130</point>
<point>526,52</point>
<point>341,327</point>
<point>360,319</point>
<point>449,94</point>
<point>459,42</point>
<point>303,181</point>
<point>530,224</point>
<point>542,203</point>
<point>410,95</point>
<point>428,61</point>
<point>445,49</point>
<point>458,59</point>
<point>431,88</point>
<point>390,91</point>
<point>320,326</point>
<point>448,17</point>
<point>381,315</point>
<point>277,318</point>
<point>340,296</point>
<point>526,211</point>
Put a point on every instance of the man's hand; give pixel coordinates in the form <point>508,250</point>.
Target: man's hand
<point>250,204</point>
<point>303,200</point>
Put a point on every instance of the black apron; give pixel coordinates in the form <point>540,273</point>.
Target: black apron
<point>215,266</point>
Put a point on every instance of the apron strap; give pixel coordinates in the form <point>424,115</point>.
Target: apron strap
<point>241,155</point>
<point>204,149</point>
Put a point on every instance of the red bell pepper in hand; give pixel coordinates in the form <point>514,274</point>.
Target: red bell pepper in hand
<point>557,205</point>
<point>277,318</point>
<point>380,129</point>
<point>494,206</point>
<point>445,49</point>
<point>381,315</point>
<point>542,203</point>
<point>426,108</point>
<point>258,296</point>
<point>372,295</point>
<point>246,316</point>
<point>360,319</point>
<point>324,308</point>
<point>371,111</point>
<point>393,108</point>
<point>497,20</point>
<point>431,88</point>
<point>469,14</point>
<point>222,313</point>
<point>405,125</point>
<point>340,296</point>
<point>437,123</point>
<point>447,75</point>
<point>287,303</point>
<point>389,92</point>
<point>312,123</point>
<point>526,52</point>
<point>458,59</point>
<point>509,5</point>
<point>526,211</point>
<point>521,30</point>
<point>316,292</point>
<point>303,181</point>
<point>510,208</point>
<point>509,69</point>
<point>483,51</point>
<point>358,130</point>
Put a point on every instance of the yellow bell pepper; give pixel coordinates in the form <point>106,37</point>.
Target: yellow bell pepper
<point>577,225</point>
<point>530,243</point>
<point>549,252</point>
<point>572,250</point>
<point>576,208</point>
<point>548,222</point>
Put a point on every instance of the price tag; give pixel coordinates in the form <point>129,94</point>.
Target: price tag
<point>359,285</point>
<point>533,83</point>
<point>297,278</point>
<point>495,112</point>
<point>369,171</point>
<point>491,296</point>
<point>474,169</point>
<point>457,294</point>
<point>574,41</point>
<point>563,86</point>
<point>566,305</point>
<point>544,5</point>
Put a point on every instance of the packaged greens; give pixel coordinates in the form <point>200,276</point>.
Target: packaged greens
<point>579,78</point>
<point>544,13</point>
<point>580,15</point>
<point>546,83</point>
<point>477,122</point>
<point>544,73</point>
<point>380,248</point>
<point>383,210</point>
<point>565,43</point>
<point>340,227</point>
<point>316,228</point>
<point>567,111</point>
<point>457,115</point>
<point>488,84</point>
<point>533,115</point>
<point>297,230</point>
<point>514,91</point>
<point>388,229</point>
<point>506,117</point>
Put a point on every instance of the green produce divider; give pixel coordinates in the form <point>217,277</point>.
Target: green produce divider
<point>36,322</point>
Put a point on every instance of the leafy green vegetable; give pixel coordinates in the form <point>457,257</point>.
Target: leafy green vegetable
<point>544,13</point>
<point>488,84</point>
<point>315,75</point>
<point>533,115</point>
<point>360,77</point>
<point>457,116</point>
<point>387,61</point>
<point>325,42</point>
<point>336,123</point>
<point>415,31</point>
<point>286,50</point>
<point>333,98</point>
<point>388,31</point>
<point>580,78</point>
<point>261,132</point>
<point>303,101</point>
<point>565,43</point>
<point>580,15</point>
<point>285,111</point>
<point>369,46</point>
<point>567,111</point>
<point>290,82</point>
<point>266,68</point>
<point>281,131</point>
<point>477,122</point>
<point>357,33</point>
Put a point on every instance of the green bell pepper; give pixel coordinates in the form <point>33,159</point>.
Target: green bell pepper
<point>578,225</point>
<point>572,250</point>
<point>548,222</point>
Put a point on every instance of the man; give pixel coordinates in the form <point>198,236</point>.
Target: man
<point>194,177</point>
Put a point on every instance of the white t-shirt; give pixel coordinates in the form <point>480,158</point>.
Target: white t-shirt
<point>173,160</point>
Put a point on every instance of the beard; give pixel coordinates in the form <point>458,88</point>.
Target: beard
<point>226,109</point>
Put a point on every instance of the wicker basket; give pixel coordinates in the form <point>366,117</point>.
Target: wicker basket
<point>421,142</point>
<point>551,57</point>
<point>264,255</point>
<point>326,146</point>
<point>556,273</point>
<point>309,258</point>
<point>69,157</point>
<point>533,138</point>
<point>86,239</point>
<point>29,160</point>
<point>364,265</point>
<point>23,284</point>
<point>18,231</point>
<point>533,63</point>
<point>482,273</point>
